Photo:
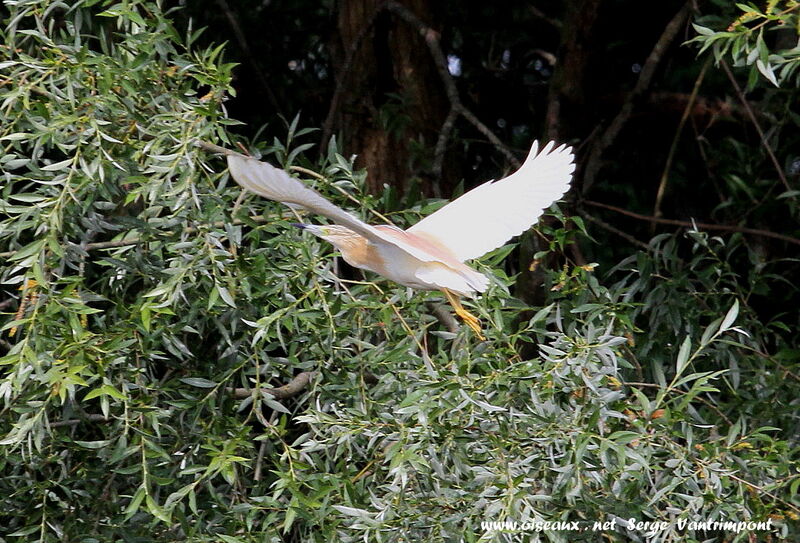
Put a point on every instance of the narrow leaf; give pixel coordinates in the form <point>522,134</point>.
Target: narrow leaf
<point>730,317</point>
<point>683,356</point>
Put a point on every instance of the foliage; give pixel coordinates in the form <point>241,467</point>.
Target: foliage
<point>745,41</point>
<point>148,292</point>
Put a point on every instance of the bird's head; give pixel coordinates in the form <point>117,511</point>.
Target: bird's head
<point>342,238</point>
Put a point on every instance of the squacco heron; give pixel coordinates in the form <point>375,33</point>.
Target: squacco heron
<point>429,255</point>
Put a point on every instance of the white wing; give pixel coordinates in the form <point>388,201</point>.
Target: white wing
<point>276,184</point>
<point>490,214</point>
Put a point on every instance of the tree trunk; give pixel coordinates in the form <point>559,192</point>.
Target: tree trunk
<point>566,119</point>
<point>390,95</point>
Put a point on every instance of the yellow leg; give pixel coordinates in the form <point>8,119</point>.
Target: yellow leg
<point>468,318</point>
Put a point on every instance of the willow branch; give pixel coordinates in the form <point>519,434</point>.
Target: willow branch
<point>765,491</point>
<point>705,402</point>
<point>752,116</point>
<point>441,147</point>
<point>690,224</point>
<point>97,246</point>
<point>431,38</point>
<point>546,18</point>
<point>614,230</point>
<point>444,317</point>
<point>290,389</point>
<point>86,418</point>
<point>662,185</point>
<point>645,78</point>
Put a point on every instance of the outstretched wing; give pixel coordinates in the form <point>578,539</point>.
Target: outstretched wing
<point>490,214</point>
<point>276,184</point>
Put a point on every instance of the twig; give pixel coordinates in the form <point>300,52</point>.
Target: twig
<point>94,246</point>
<point>548,57</point>
<point>698,137</point>
<point>749,110</point>
<point>662,185</point>
<point>483,129</point>
<point>577,255</point>
<point>614,230</point>
<point>767,492</point>
<point>444,317</point>
<point>259,461</point>
<point>95,417</point>
<point>431,38</point>
<point>292,388</point>
<point>546,18</point>
<point>645,78</point>
<point>341,191</point>
<point>702,400</point>
<point>704,225</point>
<point>136,241</point>
<point>110,244</point>
<point>632,358</point>
<point>441,147</point>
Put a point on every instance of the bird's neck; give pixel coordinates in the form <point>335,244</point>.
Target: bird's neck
<point>359,253</point>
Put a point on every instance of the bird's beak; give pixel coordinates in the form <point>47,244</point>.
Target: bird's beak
<point>319,231</point>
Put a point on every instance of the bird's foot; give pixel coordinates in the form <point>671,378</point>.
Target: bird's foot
<point>472,321</point>
<point>469,319</point>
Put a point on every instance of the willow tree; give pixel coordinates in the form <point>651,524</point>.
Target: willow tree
<point>177,363</point>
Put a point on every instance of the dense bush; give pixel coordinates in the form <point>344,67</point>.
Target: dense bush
<point>150,312</point>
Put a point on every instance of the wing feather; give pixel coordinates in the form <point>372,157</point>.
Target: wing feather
<point>276,184</point>
<point>489,215</point>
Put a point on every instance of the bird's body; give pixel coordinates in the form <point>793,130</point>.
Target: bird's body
<point>394,263</point>
<point>430,255</point>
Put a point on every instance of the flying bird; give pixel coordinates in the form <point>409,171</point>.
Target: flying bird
<point>429,255</point>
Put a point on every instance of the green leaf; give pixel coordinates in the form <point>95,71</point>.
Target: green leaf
<point>683,356</point>
<point>352,511</point>
<point>56,166</point>
<point>136,501</point>
<point>29,250</point>
<point>105,390</point>
<point>730,317</point>
<point>748,8</point>
<point>25,531</point>
<point>30,198</point>
<point>94,444</point>
<point>225,295</point>
<point>624,437</point>
<point>766,70</point>
<point>198,382</point>
<point>156,510</point>
<point>703,31</point>
<point>144,314</point>
<point>288,520</point>
<point>17,136</point>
